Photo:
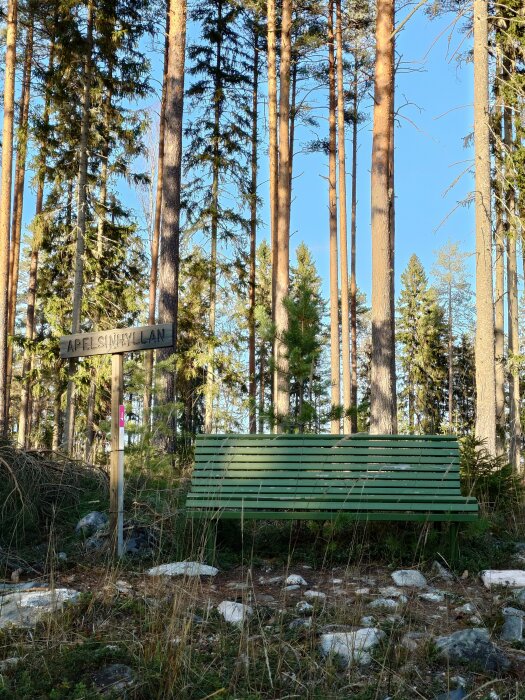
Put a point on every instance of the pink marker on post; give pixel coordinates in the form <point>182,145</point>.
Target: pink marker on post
<point>121,418</point>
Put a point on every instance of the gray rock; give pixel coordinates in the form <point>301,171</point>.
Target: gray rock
<point>520,595</point>
<point>510,578</point>
<point>6,588</point>
<point>384,604</point>
<point>292,587</point>
<point>513,625</point>
<point>457,694</point>
<point>183,568</point>
<point>351,647</point>
<point>414,640</point>
<point>439,571</point>
<point>432,597</point>
<point>113,679</point>
<point>390,592</point>
<point>409,578</point>
<point>368,621</point>
<point>26,608</point>
<point>9,663</point>
<point>315,595</point>
<point>300,623</point>
<point>295,580</point>
<point>304,608</point>
<point>91,522</point>
<point>472,646</point>
<point>466,609</point>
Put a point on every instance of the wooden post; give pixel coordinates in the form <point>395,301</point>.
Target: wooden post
<point>116,483</point>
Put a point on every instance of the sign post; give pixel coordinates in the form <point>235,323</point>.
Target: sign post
<point>115,343</point>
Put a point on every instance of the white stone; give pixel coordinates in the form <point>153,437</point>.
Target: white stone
<point>432,597</point>
<point>368,621</point>
<point>234,612</point>
<point>337,581</point>
<point>315,595</point>
<point>511,578</point>
<point>295,580</point>
<point>390,592</point>
<point>293,587</point>
<point>384,604</point>
<point>352,647</point>
<point>466,609</point>
<point>304,607</point>
<point>183,568</point>
<point>362,591</point>
<point>409,578</point>
<point>26,608</point>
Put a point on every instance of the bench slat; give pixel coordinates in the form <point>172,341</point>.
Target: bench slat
<point>307,490</point>
<point>349,475</point>
<point>321,515</point>
<point>328,458</point>
<point>365,505</point>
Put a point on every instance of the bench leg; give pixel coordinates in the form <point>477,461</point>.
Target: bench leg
<point>453,542</point>
<point>210,542</point>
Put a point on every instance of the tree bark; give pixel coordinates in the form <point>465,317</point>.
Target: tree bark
<point>217,101</point>
<point>78,284</point>
<point>272,137</point>
<point>25,397</point>
<point>484,348</point>
<point>281,379</point>
<point>171,194</point>
<point>252,391</point>
<point>345,296</point>
<point>512,296</point>
<point>335,350</point>
<point>153,278</point>
<point>5,202</point>
<point>383,418</point>
<point>499,301</point>
<point>353,236</point>
<point>18,201</point>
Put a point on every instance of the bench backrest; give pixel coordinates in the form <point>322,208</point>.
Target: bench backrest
<point>362,463</point>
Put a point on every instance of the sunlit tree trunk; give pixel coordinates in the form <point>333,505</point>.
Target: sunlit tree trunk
<point>155,239</point>
<point>18,199</point>
<point>78,284</point>
<point>252,392</point>
<point>485,353</point>
<point>353,236</point>
<point>335,356</point>
<point>383,419</point>
<point>281,379</point>
<point>5,202</point>
<point>171,194</point>
<point>345,297</point>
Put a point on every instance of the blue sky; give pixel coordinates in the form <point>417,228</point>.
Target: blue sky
<point>429,156</point>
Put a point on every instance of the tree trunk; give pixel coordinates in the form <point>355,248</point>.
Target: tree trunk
<point>383,418</point>
<point>484,349</point>
<point>345,297</point>
<point>5,202</point>
<point>272,136</point>
<point>450,362</point>
<point>353,281</point>
<point>78,284</point>
<point>171,192</point>
<point>499,301</point>
<point>18,201</point>
<point>512,295</point>
<point>153,278</point>
<point>252,392</point>
<point>335,355</point>
<point>25,398</point>
<point>281,379</point>
<point>210,370</point>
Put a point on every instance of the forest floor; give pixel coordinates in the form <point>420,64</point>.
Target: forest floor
<point>133,635</point>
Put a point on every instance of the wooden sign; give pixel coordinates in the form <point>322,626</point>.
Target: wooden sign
<point>117,340</point>
<point>115,343</point>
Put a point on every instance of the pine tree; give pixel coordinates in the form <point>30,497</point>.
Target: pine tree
<point>219,137</point>
<point>304,339</point>
<point>421,335</point>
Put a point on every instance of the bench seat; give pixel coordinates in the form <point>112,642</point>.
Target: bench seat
<point>326,477</point>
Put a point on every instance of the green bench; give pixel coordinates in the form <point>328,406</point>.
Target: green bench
<point>327,477</point>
